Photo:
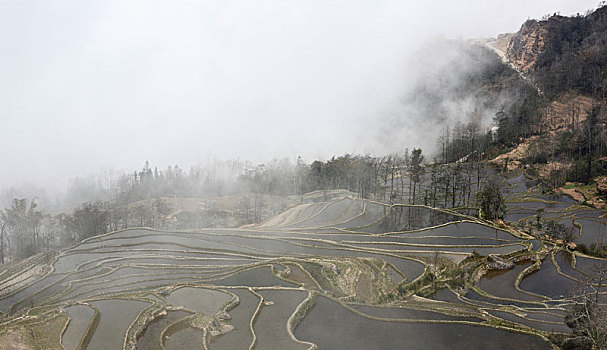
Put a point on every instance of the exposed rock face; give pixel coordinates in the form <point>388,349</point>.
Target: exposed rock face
<point>503,42</point>
<point>567,112</point>
<point>515,156</point>
<point>524,47</point>
<point>601,185</point>
<point>573,193</point>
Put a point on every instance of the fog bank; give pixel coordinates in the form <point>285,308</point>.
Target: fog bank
<point>97,85</point>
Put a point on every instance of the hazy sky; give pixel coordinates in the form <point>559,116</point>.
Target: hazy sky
<point>92,85</point>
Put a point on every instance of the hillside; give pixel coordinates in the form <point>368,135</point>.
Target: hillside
<point>560,135</point>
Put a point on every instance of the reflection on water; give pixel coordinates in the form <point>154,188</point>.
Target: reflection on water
<point>334,327</point>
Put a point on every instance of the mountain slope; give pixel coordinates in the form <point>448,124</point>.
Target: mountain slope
<point>562,135</point>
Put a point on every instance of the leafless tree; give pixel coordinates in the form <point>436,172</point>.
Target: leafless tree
<point>587,316</point>
<point>2,227</point>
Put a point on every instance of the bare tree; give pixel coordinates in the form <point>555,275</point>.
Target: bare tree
<point>416,171</point>
<point>587,316</point>
<point>2,227</point>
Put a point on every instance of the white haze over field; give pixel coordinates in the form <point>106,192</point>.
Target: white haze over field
<point>87,86</point>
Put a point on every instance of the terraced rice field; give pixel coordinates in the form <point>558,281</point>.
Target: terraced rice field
<point>341,274</point>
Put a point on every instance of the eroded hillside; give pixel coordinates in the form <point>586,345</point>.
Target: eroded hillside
<point>561,135</point>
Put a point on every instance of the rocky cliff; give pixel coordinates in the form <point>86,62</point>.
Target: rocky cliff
<point>523,47</point>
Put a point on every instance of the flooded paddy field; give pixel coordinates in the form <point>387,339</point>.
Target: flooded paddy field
<point>151,337</point>
<point>80,318</point>
<point>361,332</point>
<point>502,283</point>
<point>337,274</point>
<point>241,317</point>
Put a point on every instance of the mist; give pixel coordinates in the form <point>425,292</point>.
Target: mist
<point>91,86</point>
